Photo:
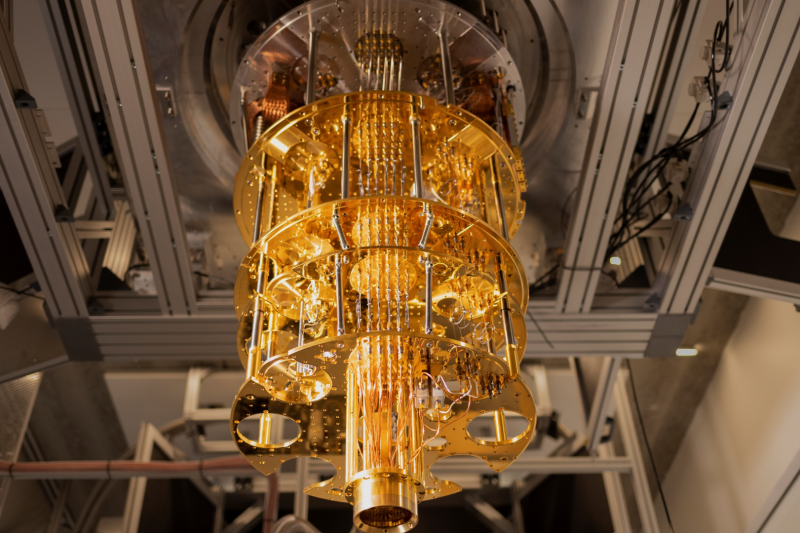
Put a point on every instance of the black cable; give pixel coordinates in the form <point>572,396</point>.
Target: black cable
<point>647,444</point>
<point>22,292</point>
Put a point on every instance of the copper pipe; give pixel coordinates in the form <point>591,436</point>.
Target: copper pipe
<point>119,469</point>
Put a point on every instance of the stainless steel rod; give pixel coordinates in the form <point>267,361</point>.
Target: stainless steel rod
<point>346,126</point>
<point>428,296</point>
<point>498,198</point>
<point>415,141</point>
<point>259,202</point>
<point>447,71</point>
<point>311,84</point>
<point>339,297</point>
<point>423,241</point>
<point>337,223</point>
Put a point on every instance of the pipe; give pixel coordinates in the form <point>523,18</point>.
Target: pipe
<point>271,505</point>
<point>234,465</point>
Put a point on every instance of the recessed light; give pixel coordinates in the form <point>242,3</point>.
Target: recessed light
<point>686,352</point>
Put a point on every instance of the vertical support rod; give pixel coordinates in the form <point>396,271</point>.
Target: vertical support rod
<point>447,71</point>
<point>339,296</point>
<point>346,126</point>
<point>301,324</point>
<point>505,313</point>
<point>264,427</point>
<point>273,184</point>
<point>254,346</point>
<point>337,223</point>
<point>311,84</point>
<point>300,497</point>
<point>415,443</point>
<point>423,241</point>
<point>351,444</point>
<point>402,460</point>
<point>245,129</point>
<point>498,198</point>
<point>500,426</point>
<point>428,296</point>
<point>311,187</point>
<point>260,201</point>
<point>415,141</point>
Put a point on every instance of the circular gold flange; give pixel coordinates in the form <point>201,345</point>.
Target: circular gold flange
<point>385,500</point>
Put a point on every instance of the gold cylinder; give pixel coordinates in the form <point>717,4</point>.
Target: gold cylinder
<point>500,426</point>
<point>512,358</point>
<point>254,347</point>
<point>264,427</point>
<point>386,501</point>
<point>415,443</point>
<point>351,444</point>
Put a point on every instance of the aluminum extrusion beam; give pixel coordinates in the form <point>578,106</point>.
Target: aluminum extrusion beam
<point>630,440</point>
<point>674,77</point>
<point>80,94</point>
<point>762,59</point>
<point>602,401</point>
<point>588,334</point>
<point>753,285</point>
<point>114,35</point>
<point>617,504</point>
<point>633,59</point>
<point>32,191</point>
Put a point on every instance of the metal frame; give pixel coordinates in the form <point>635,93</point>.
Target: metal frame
<point>752,285</point>
<point>149,438</point>
<point>628,77</point>
<point>762,59</point>
<point>128,96</point>
<point>80,94</point>
<point>32,191</point>
<point>674,76</point>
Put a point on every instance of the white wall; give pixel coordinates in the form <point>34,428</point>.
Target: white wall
<point>746,431</point>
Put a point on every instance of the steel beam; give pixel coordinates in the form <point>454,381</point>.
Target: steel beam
<point>128,96</point>
<point>762,59</point>
<point>633,58</point>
